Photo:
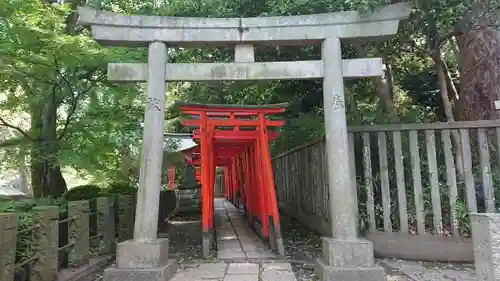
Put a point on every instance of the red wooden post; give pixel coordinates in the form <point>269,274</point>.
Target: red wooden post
<point>239,178</point>
<point>205,182</point>
<point>246,178</point>
<point>243,179</point>
<point>226,182</point>
<point>261,191</point>
<point>212,178</point>
<point>269,180</point>
<point>255,183</point>
<point>198,173</point>
<point>234,182</point>
<point>171,178</point>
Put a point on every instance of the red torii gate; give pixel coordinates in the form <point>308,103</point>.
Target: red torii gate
<point>237,138</point>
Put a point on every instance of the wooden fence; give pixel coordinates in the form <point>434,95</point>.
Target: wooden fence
<point>416,184</point>
<point>40,244</point>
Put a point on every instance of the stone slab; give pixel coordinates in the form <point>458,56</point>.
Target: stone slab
<point>352,68</point>
<point>251,240</point>
<point>276,275</point>
<point>260,255</point>
<point>203,271</point>
<point>163,273</point>
<point>148,254</point>
<point>226,232</point>
<point>114,29</point>
<point>356,253</point>
<point>224,235</point>
<point>285,266</point>
<point>247,277</point>
<point>326,272</point>
<point>229,254</point>
<point>229,245</point>
<point>243,268</point>
<point>249,247</point>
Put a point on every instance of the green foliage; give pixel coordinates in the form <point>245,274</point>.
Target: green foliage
<point>99,118</point>
<point>121,188</point>
<point>82,192</point>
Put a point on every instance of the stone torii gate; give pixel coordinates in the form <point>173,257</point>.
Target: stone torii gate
<point>345,256</point>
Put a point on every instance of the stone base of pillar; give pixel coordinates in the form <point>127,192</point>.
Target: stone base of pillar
<point>348,260</point>
<point>142,261</point>
<point>206,244</point>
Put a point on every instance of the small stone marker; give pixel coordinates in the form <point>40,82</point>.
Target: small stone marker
<point>486,242</point>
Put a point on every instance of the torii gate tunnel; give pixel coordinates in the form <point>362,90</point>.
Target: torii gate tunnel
<point>237,138</point>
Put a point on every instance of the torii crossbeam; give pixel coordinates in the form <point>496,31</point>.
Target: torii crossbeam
<point>236,138</point>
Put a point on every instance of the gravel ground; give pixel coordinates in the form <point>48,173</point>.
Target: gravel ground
<point>184,234</point>
<point>302,246</point>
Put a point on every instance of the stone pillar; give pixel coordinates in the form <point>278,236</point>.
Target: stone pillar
<point>345,257</point>
<point>337,147</point>
<point>45,268</point>
<point>486,241</point>
<point>106,223</point>
<point>79,232</point>
<point>9,222</point>
<point>146,218</point>
<point>146,257</point>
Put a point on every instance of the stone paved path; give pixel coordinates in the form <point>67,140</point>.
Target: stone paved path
<point>236,271</point>
<point>241,254</point>
<point>235,239</point>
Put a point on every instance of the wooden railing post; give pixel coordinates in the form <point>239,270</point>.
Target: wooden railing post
<point>8,241</point>
<point>106,223</point>
<point>79,232</point>
<point>125,217</point>
<point>45,266</point>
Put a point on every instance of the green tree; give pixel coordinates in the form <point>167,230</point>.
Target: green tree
<point>52,79</point>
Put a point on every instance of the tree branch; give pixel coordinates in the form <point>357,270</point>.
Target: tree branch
<point>73,106</point>
<point>8,125</point>
<point>74,98</point>
<point>447,36</point>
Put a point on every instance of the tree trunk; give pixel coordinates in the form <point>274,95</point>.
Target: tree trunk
<point>126,162</point>
<point>443,76</point>
<point>382,87</point>
<point>23,173</point>
<point>46,176</point>
<point>480,61</point>
<point>389,76</point>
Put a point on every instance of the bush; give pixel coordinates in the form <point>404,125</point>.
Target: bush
<point>121,188</point>
<point>82,192</point>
